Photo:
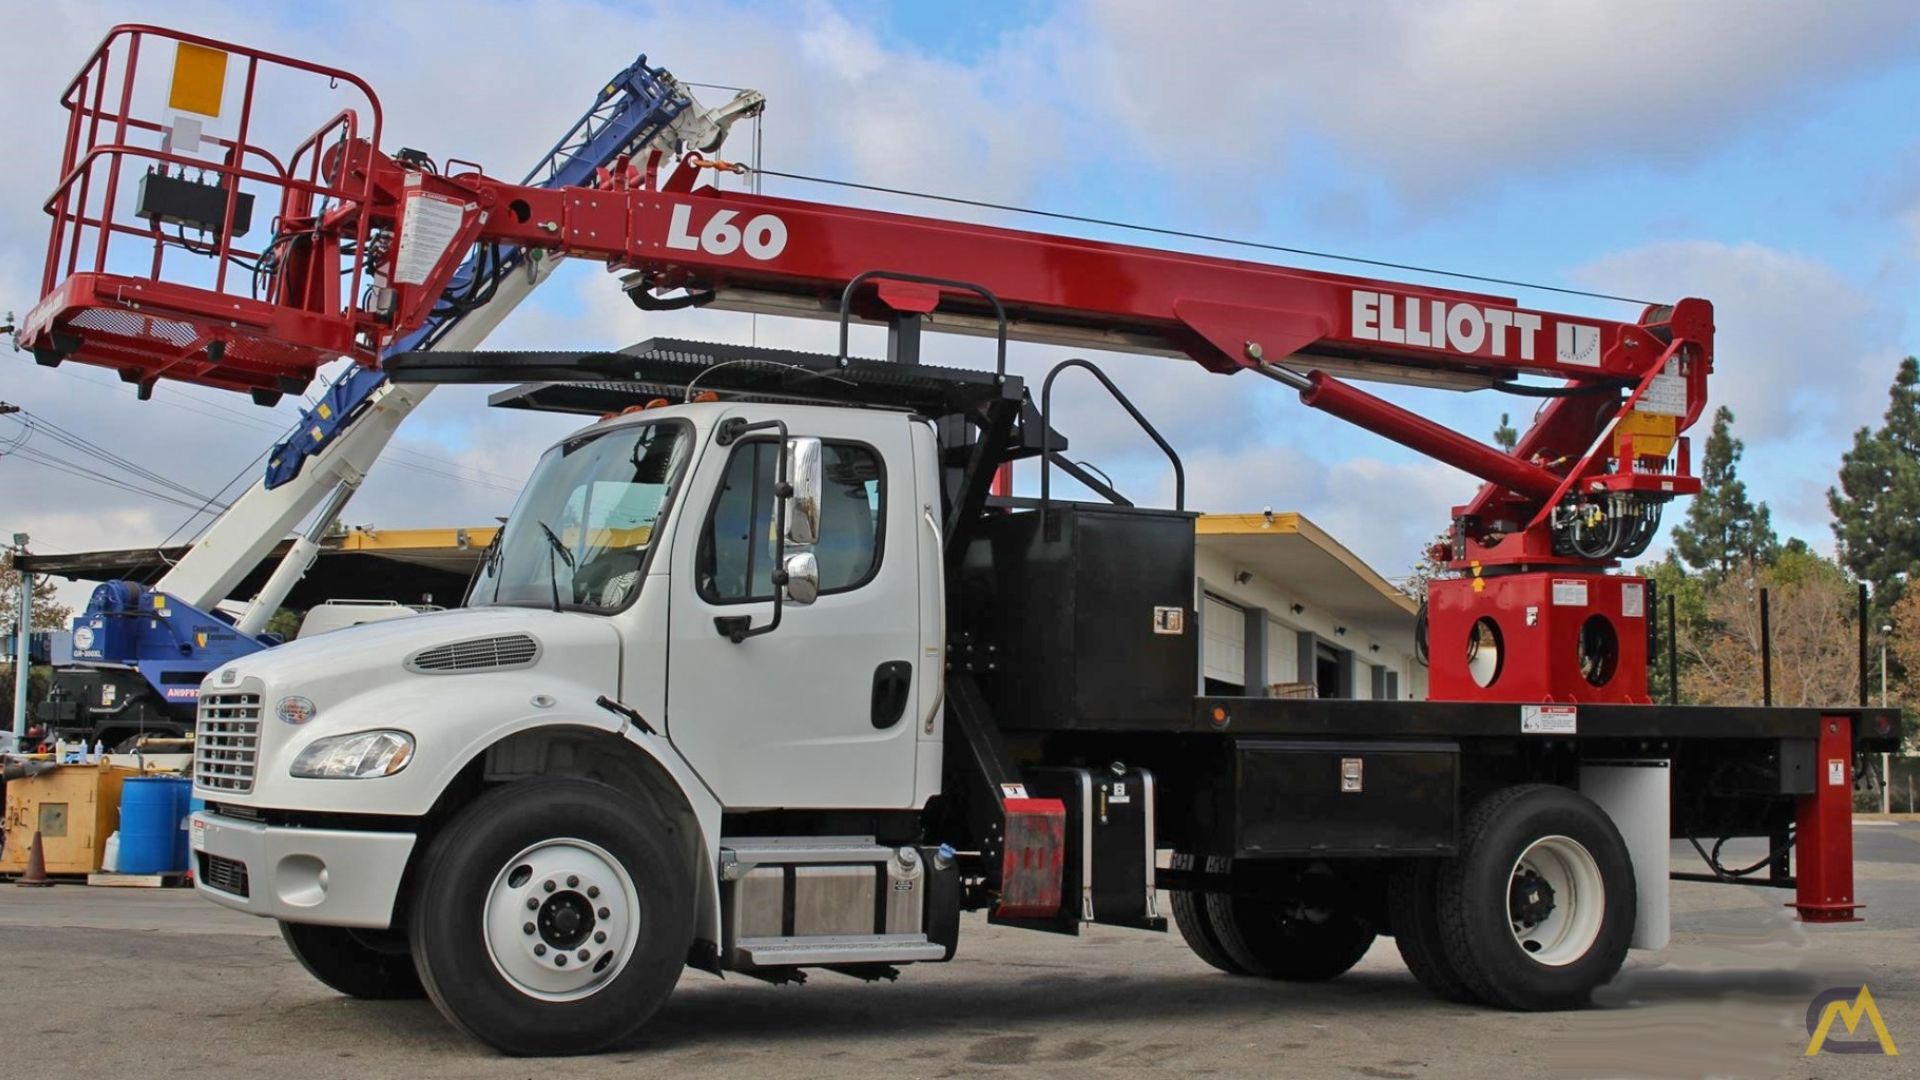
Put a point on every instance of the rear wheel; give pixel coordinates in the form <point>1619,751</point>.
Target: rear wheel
<point>1292,937</point>
<point>1190,915</point>
<point>1538,909</point>
<point>553,916</point>
<point>370,964</point>
<point>1412,906</point>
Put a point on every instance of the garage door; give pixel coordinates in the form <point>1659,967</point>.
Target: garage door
<point>1283,652</point>
<point>1225,654</point>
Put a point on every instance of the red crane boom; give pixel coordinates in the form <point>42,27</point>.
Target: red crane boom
<point>364,244</point>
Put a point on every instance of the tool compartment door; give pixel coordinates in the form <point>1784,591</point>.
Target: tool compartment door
<point>794,718</point>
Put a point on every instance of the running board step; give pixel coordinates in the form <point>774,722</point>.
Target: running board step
<point>821,951</point>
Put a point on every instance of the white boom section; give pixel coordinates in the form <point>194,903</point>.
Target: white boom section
<point>241,537</point>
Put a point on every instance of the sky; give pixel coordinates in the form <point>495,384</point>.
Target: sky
<point>1759,155</point>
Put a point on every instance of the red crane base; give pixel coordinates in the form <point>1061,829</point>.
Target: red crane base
<point>1538,636</point>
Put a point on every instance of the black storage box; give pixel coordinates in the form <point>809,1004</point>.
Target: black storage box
<point>1311,797</point>
<point>1092,629</point>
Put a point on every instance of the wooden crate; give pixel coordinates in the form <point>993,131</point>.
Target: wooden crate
<point>75,808</point>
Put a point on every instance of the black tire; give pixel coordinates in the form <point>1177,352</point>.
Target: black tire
<point>1277,938</point>
<point>1476,929</point>
<point>1412,907</point>
<point>373,965</point>
<point>1190,915</point>
<point>448,923</point>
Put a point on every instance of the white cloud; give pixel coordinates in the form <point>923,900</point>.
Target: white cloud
<point>1798,350</point>
<point>1438,95</point>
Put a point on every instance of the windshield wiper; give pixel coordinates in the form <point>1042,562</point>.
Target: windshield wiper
<point>553,572</point>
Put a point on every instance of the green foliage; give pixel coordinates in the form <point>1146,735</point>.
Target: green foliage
<point>1505,436</point>
<point>1690,596</point>
<point>1876,508</point>
<point>1723,528</point>
<point>285,622</point>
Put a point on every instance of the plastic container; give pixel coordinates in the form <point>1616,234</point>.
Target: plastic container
<point>150,811</point>
<point>183,853</point>
<point>110,855</point>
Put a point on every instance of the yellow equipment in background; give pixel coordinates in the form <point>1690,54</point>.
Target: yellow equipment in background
<point>74,807</point>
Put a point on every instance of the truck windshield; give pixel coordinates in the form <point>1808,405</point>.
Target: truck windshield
<point>581,528</point>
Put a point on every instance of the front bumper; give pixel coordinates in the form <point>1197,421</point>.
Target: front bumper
<point>329,877</point>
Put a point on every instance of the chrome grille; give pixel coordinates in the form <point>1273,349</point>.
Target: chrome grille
<point>478,654</point>
<point>227,741</point>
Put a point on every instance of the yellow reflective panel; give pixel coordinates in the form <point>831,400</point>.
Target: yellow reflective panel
<point>199,79</point>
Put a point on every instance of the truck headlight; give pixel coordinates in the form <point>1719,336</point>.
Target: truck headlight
<point>355,757</point>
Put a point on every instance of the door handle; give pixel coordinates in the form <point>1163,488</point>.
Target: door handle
<point>891,680</point>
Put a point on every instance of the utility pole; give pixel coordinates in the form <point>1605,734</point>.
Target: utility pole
<point>22,645</point>
<point>1886,759</point>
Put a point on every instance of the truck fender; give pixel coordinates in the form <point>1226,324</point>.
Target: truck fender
<point>685,782</point>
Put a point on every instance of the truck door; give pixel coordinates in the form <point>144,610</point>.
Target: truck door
<point>820,712</point>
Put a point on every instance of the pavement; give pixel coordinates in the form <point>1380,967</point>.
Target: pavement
<point>141,982</point>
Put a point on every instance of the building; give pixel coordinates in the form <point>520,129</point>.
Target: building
<point>1286,609</point>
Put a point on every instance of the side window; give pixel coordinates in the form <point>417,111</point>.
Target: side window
<point>738,549</point>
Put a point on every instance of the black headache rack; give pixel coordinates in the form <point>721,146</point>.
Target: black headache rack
<point>592,383</point>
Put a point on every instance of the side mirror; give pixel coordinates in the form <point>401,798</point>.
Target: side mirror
<point>804,473</point>
<point>803,577</point>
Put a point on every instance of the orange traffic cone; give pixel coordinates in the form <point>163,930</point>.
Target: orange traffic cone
<point>36,875</point>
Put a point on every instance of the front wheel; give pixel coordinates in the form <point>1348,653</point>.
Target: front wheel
<point>553,916</point>
<point>370,964</point>
<point>1537,910</point>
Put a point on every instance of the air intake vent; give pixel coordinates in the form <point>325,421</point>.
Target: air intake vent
<point>479,654</point>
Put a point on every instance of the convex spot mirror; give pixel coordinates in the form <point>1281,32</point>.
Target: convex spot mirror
<point>803,577</point>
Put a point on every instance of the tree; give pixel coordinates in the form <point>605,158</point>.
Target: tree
<point>1876,508</point>
<point>1814,635</point>
<point>47,615</point>
<point>1724,528</point>
<point>1692,624</point>
<point>1504,436</point>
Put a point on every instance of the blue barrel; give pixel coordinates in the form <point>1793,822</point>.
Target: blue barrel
<point>183,856</point>
<point>150,809</point>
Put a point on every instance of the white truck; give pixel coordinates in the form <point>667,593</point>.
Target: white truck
<point>728,694</point>
<point>771,673</point>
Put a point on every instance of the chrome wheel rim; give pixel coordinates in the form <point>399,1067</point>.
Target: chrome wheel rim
<point>561,919</point>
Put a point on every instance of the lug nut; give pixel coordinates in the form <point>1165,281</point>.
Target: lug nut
<point>560,959</point>
<point>547,885</point>
<point>539,950</point>
<point>532,904</point>
<point>599,937</point>
<point>604,913</point>
<point>593,892</point>
<point>528,928</point>
<point>573,881</point>
<point>584,954</point>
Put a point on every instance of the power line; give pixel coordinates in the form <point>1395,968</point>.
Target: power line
<point>34,456</point>
<point>200,407</point>
<point>1208,237</point>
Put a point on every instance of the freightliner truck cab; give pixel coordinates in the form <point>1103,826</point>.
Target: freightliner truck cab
<point>694,611</point>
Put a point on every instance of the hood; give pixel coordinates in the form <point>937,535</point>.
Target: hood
<point>436,645</point>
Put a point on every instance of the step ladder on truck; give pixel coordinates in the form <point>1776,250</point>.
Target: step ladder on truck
<point>765,677</point>
<point>140,649</point>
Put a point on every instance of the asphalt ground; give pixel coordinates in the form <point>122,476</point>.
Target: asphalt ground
<point>130,984</point>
